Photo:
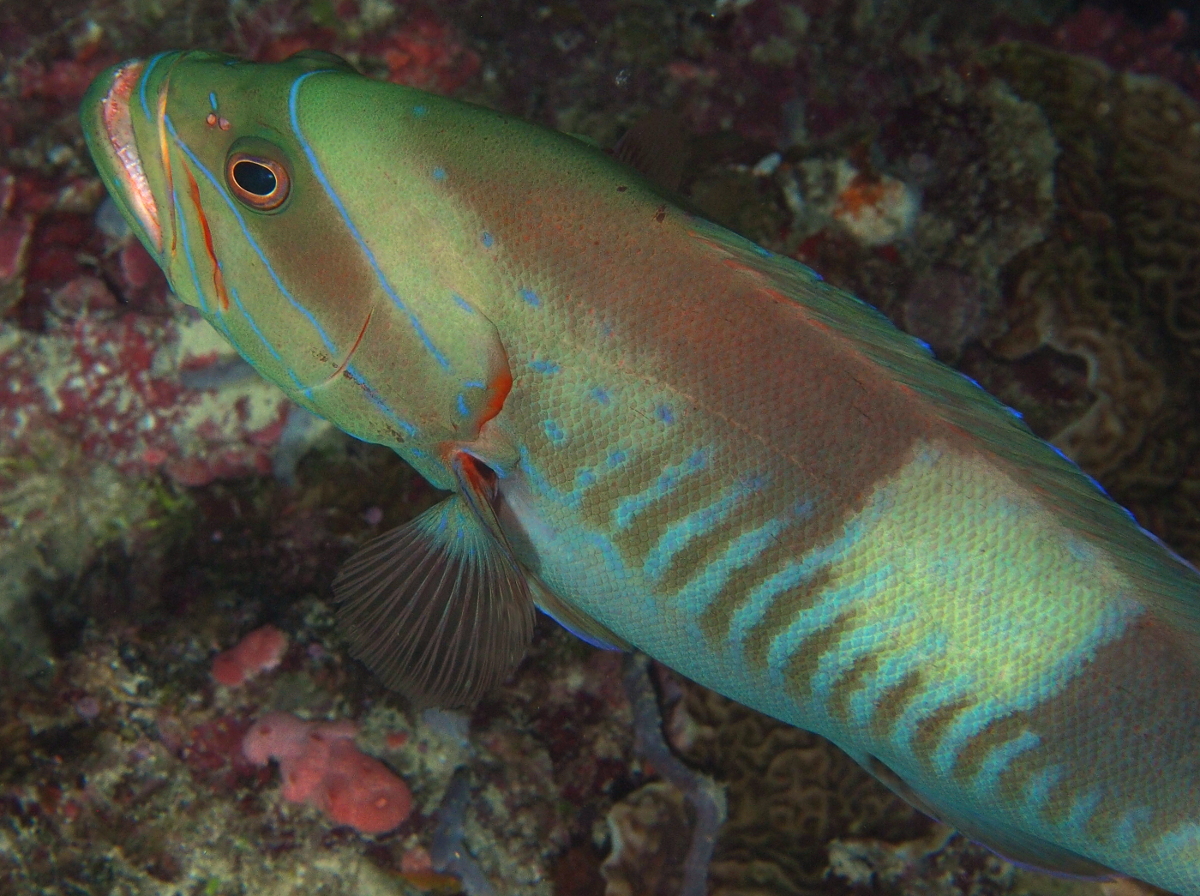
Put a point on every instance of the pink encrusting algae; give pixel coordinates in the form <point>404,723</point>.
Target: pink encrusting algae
<point>260,651</point>
<point>320,765</point>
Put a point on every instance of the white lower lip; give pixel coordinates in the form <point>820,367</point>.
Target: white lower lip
<point>118,125</point>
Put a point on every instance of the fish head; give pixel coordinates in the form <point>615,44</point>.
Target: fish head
<point>278,209</point>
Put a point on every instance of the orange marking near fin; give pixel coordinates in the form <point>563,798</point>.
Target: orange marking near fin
<point>218,279</point>
<point>498,390</point>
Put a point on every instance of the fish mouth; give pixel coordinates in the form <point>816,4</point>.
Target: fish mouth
<point>116,119</point>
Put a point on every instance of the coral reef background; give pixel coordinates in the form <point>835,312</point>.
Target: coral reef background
<point>1017,182</point>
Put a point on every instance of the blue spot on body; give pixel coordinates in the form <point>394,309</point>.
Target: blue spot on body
<point>419,111</point>
<point>616,458</point>
<point>765,253</point>
<point>546,367</point>
<point>487,239</point>
<point>664,414</point>
<point>212,101</point>
<point>439,173</point>
<point>473,384</point>
<point>600,396</point>
<point>531,297</point>
<point>554,432</point>
<point>462,405</point>
<point>462,303</point>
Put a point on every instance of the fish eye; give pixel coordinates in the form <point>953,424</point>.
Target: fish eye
<point>261,183</point>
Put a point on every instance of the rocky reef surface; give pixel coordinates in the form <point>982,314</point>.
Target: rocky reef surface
<point>1016,183</point>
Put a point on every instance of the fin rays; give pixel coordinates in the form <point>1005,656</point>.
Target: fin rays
<point>437,608</point>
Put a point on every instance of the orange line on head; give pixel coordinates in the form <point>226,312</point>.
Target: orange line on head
<point>163,147</point>
<point>218,279</point>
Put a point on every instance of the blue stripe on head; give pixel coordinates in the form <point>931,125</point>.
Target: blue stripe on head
<point>382,405</point>
<point>233,294</point>
<point>154,60</point>
<point>293,94</point>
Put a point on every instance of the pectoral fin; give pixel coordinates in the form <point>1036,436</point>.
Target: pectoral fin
<point>439,608</point>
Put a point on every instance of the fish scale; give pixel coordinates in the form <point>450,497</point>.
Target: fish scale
<point>669,438</point>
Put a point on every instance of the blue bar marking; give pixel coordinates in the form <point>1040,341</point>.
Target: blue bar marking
<point>669,480</point>
<point>999,758</point>
<point>695,597</point>
<point>697,523</point>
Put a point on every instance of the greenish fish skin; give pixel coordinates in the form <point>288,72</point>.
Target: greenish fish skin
<point>670,438</point>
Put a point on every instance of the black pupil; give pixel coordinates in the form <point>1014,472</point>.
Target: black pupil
<point>255,178</point>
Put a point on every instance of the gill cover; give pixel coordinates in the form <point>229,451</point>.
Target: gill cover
<point>290,204</point>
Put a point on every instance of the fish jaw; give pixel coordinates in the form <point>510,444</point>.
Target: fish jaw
<point>113,143</point>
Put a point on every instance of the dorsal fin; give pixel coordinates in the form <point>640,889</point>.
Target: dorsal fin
<point>656,147</point>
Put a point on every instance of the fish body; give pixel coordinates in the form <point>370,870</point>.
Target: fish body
<point>668,437</point>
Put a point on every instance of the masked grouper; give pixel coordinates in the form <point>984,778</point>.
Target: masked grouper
<point>669,438</point>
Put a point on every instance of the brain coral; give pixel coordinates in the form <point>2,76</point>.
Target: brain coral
<point>1117,281</point>
<point>789,793</point>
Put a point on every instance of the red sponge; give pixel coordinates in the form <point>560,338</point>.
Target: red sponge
<point>320,765</point>
<point>260,651</point>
